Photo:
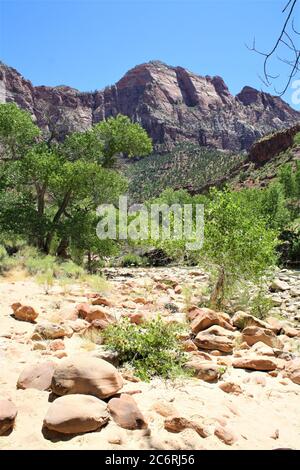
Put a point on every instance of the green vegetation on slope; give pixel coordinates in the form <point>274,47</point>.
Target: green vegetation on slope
<point>187,166</point>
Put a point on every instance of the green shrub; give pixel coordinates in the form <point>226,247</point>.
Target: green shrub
<point>68,269</point>
<point>96,282</point>
<point>297,139</point>
<point>45,279</point>
<point>152,348</point>
<point>131,260</point>
<point>260,305</point>
<point>3,258</point>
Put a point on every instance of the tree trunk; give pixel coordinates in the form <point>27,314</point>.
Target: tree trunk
<point>62,248</point>
<point>56,219</point>
<point>217,295</point>
<point>89,263</point>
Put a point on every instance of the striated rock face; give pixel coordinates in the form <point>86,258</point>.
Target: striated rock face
<point>267,148</point>
<point>172,104</point>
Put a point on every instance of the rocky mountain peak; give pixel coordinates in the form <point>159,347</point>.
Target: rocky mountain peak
<point>173,104</point>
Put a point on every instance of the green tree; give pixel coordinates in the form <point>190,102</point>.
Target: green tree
<point>49,191</point>
<point>17,131</point>
<point>120,135</point>
<point>286,178</point>
<point>273,206</point>
<point>237,241</point>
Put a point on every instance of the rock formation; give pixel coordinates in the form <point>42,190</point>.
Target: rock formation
<point>172,104</point>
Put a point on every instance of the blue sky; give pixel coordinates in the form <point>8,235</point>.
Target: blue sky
<point>90,44</point>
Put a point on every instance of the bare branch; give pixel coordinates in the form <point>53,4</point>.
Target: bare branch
<point>285,39</point>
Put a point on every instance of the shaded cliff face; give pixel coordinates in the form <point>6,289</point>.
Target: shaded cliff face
<point>171,103</point>
<point>265,149</point>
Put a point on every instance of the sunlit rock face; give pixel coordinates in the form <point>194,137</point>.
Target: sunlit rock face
<point>172,104</point>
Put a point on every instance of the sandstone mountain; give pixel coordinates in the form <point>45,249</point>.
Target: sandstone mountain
<point>172,104</point>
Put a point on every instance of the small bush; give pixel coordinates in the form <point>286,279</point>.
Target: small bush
<point>45,279</point>
<point>132,260</point>
<point>260,305</point>
<point>68,269</point>
<point>152,349</point>
<point>3,259</point>
<point>96,282</point>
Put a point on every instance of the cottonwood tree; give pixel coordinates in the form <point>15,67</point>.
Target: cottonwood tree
<point>48,190</point>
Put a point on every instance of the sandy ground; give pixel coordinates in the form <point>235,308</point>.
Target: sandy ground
<point>265,416</point>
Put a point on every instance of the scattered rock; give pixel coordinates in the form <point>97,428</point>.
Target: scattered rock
<point>99,300</point>
<point>215,338</point>
<point>164,408</point>
<point>292,371</point>
<point>88,375</point>
<point>203,318</point>
<point>226,435</point>
<point>78,325</point>
<point>107,355</point>
<point>57,345</point>
<point>38,346</point>
<point>262,349</point>
<point>242,320</point>
<point>230,387</point>
<point>83,309</point>
<point>177,289</point>
<point>135,317</point>
<point>48,330</point>
<point>126,413</point>
<point>255,334</point>
<point>98,313</point>
<point>178,423</point>
<point>24,312</point>
<point>8,413</point>
<point>73,414</point>
<point>207,371</point>
<point>255,363</point>
<point>279,286</point>
<point>189,345</point>
<point>291,332</point>
<point>38,376</point>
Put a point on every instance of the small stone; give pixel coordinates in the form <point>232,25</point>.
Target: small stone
<point>24,312</point>
<point>164,408</point>
<point>126,413</point>
<point>226,435</point>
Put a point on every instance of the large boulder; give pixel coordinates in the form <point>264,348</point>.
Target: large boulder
<point>49,330</point>
<point>75,414</point>
<point>38,376</point>
<point>255,334</point>
<point>203,318</point>
<point>292,370</point>
<point>8,413</point>
<point>215,338</point>
<point>24,312</point>
<point>86,375</point>
<point>126,413</point>
<point>255,363</point>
